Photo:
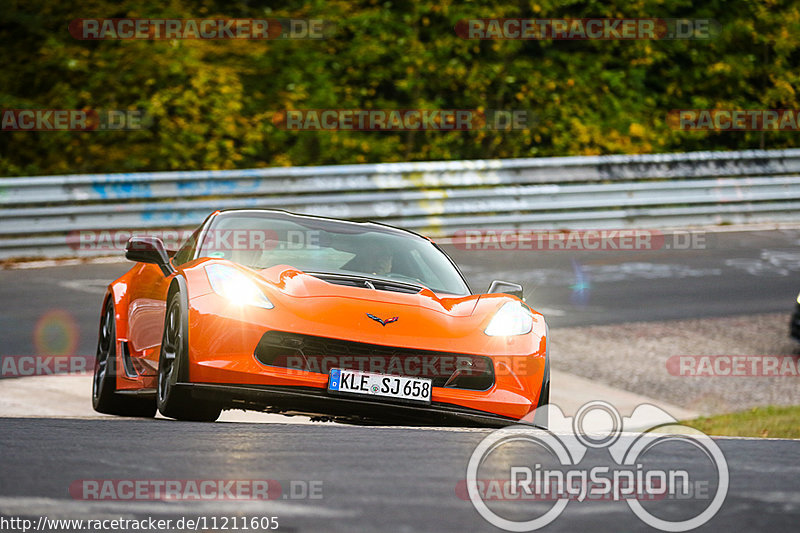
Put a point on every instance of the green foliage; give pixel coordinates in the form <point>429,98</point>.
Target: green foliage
<point>211,102</point>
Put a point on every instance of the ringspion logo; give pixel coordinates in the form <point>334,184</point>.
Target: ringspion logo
<point>539,472</point>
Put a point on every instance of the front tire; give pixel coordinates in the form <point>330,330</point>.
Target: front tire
<point>172,401</point>
<point>105,398</point>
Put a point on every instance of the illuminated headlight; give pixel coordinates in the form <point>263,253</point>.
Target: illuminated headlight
<point>798,299</point>
<point>236,286</point>
<point>511,319</point>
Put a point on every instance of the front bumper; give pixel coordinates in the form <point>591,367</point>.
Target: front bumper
<point>223,341</point>
<point>317,403</point>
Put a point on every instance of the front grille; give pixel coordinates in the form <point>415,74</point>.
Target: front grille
<point>320,354</point>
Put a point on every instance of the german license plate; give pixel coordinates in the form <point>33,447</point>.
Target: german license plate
<point>383,385</point>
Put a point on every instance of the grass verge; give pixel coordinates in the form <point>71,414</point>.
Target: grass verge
<point>771,421</point>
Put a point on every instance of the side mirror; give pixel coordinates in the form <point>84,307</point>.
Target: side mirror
<point>145,249</point>
<point>505,287</point>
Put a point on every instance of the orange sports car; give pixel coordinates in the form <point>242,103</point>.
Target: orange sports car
<point>294,314</point>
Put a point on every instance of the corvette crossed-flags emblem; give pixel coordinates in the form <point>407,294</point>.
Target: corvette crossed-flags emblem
<point>383,322</point>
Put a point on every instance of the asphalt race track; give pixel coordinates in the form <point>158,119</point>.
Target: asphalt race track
<point>372,479</point>
<point>395,479</point>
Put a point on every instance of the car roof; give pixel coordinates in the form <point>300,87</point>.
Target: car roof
<point>280,214</point>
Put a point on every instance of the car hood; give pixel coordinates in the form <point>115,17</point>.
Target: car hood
<point>425,320</point>
<point>297,284</point>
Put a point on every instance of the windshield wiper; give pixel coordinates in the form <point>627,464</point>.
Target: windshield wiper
<point>368,282</point>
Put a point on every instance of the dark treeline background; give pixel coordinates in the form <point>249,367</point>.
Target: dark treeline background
<point>211,102</point>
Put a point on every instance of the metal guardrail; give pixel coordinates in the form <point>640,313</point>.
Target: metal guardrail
<point>37,214</point>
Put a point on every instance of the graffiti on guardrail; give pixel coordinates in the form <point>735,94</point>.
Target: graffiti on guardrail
<point>437,198</point>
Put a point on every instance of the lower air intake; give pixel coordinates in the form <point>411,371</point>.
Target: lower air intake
<point>320,354</point>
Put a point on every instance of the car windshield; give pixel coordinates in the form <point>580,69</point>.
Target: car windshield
<point>319,245</point>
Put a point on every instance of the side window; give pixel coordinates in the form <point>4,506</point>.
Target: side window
<point>186,252</point>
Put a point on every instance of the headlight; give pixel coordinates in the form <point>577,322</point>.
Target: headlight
<point>511,319</point>
<point>236,286</point>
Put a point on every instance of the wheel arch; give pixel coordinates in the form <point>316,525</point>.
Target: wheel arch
<point>179,285</point>
<point>118,294</point>
<point>541,417</point>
